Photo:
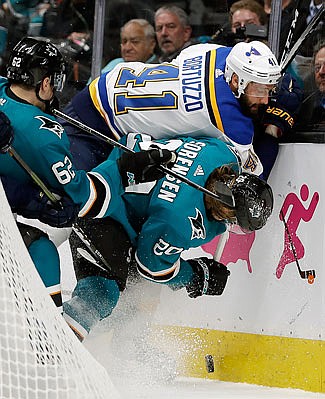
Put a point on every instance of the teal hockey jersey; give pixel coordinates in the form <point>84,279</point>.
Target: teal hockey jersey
<point>43,144</point>
<point>169,216</point>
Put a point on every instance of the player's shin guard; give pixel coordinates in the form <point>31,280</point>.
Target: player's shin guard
<point>47,262</point>
<point>93,299</point>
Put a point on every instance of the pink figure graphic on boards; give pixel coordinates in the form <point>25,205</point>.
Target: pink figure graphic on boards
<point>298,213</point>
<point>237,247</point>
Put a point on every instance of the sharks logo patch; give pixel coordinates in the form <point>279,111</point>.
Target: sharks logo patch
<point>51,125</point>
<point>198,229</point>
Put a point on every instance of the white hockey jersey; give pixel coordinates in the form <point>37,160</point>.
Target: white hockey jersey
<point>187,97</point>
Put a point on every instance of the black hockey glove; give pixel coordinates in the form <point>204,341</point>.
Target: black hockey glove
<point>6,133</point>
<point>283,109</point>
<point>210,277</point>
<point>141,167</point>
<point>41,208</point>
<point>28,201</point>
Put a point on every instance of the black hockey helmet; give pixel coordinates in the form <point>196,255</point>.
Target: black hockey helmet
<point>31,60</point>
<point>253,201</point>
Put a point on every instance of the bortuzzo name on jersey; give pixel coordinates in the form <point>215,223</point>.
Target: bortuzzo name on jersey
<point>192,84</point>
<point>185,158</point>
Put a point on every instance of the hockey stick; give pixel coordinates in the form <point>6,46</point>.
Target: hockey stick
<point>290,33</point>
<point>13,153</point>
<point>221,246</point>
<point>98,257</point>
<point>225,199</point>
<point>274,31</point>
<point>77,229</point>
<point>310,27</point>
<point>305,274</point>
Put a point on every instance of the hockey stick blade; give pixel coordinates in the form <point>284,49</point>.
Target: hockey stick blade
<point>99,258</point>
<point>224,193</point>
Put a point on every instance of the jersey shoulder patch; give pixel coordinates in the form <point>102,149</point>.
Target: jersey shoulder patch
<point>50,124</point>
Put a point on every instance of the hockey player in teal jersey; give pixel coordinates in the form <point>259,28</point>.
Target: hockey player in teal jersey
<point>168,217</point>
<point>35,71</point>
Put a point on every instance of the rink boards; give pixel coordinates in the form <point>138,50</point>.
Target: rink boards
<point>267,327</point>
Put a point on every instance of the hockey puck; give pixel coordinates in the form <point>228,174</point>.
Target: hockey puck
<point>209,363</point>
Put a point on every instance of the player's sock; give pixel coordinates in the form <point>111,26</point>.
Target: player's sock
<point>92,300</point>
<point>80,317</point>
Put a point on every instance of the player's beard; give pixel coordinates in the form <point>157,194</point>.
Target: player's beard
<point>252,110</point>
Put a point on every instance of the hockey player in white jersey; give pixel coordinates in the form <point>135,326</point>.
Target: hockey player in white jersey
<point>210,89</point>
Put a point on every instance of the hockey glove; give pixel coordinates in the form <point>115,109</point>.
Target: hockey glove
<point>210,277</point>
<point>141,167</point>
<point>41,208</point>
<point>6,133</point>
<point>283,109</point>
<point>28,201</point>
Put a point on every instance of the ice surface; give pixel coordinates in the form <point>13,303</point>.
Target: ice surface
<point>123,344</point>
<point>187,388</point>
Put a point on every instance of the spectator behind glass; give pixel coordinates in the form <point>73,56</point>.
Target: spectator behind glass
<point>313,110</point>
<point>313,8</point>
<point>137,41</point>
<point>319,69</point>
<point>246,12</point>
<point>173,31</point>
<point>247,22</point>
<point>137,44</point>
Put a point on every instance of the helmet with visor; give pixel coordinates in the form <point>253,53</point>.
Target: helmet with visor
<point>32,60</point>
<point>253,62</point>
